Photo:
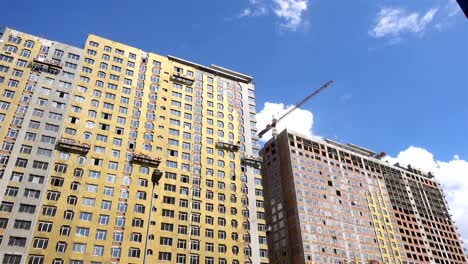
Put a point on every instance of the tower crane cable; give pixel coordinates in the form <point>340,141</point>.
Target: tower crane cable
<point>297,105</point>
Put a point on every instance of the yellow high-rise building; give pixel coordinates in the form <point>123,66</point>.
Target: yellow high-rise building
<point>130,117</point>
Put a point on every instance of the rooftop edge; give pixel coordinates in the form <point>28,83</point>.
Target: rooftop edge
<point>215,70</point>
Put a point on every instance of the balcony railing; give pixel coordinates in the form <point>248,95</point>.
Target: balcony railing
<point>145,159</point>
<point>229,145</point>
<point>73,145</point>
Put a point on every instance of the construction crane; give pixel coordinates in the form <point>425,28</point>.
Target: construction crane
<point>297,105</point>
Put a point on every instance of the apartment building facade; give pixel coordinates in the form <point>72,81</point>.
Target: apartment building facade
<point>328,202</point>
<point>34,101</point>
<point>125,114</point>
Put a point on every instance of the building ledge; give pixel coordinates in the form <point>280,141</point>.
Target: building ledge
<point>214,69</point>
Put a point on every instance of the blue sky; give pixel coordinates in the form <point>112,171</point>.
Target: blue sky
<point>390,92</point>
<point>400,67</point>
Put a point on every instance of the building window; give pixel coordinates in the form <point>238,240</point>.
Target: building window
<point>115,252</point>
<point>22,224</point>
<point>40,165</point>
<point>165,256</point>
<point>58,261</point>
<point>11,191</point>
<point>167,227</point>
<point>40,243</point>
<point>82,231</point>
<point>182,229</point>
<point>61,247</point>
<point>68,215</point>
<point>165,241</point>
<point>53,195</point>
<point>17,241</point>
<point>22,163</point>
<point>98,250</point>
<point>134,252</point>
<point>86,216</point>
<point>6,207</point>
<point>26,149</point>
<point>79,247</point>
<point>11,259</point>
<point>180,259</point>
<point>44,226</point>
<point>100,234</point>
<point>194,259</point>
<point>135,237</point>
<point>36,259</point>
<point>31,193</point>
<point>46,210</point>
<point>3,223</point>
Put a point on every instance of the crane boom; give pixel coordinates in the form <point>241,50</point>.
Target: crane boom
<point>297,105</point>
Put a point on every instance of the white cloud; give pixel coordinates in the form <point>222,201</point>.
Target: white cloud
<point>393,22</point>
<point>245,12</point>
<point>291,11</point>
<point>452,175</point>
<point>256,8</point>
<point>299,120</point>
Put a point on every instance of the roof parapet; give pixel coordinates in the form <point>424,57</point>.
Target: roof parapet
<point>409,168</point>
<point>215,70</point>
<point>352,147</point>
<point>231,72</point>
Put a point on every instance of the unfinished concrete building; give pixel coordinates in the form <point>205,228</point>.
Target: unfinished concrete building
<point>328,202</point>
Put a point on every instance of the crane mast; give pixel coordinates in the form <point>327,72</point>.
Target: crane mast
<point>272,126</point>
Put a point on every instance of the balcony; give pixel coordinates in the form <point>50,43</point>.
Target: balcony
<point>182,78</point>
<point>253,161</point>
<point>44,65</point>
<point>228,145</point>
<point>145,159</point>
<point>73,145</point>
